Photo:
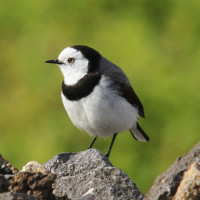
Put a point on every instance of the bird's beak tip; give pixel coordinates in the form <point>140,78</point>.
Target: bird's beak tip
<point>55,61</point>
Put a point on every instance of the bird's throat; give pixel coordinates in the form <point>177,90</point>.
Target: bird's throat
<point>82,88</point>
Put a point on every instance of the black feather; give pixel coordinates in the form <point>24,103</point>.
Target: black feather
<point>82,88</point>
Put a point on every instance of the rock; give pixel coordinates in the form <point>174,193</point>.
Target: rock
<point>36,184</point>
<point>89,195</point>
<point>16,196</point>
<point>165,186</point>
<point>6,173</point>
<point>89,175</point>
<point>34,166</point>
<point>4,184</point>
<point>189,187</point>
<point>79,172</point>
<point>6,167</point>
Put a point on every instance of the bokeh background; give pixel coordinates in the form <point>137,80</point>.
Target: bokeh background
<point>155,42</point>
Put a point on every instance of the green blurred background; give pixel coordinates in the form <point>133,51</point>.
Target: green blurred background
<point>155,42</point>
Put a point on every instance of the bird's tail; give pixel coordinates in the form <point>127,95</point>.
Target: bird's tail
<point>139,134</point>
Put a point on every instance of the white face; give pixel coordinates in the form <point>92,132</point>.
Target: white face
<point>74,67</point>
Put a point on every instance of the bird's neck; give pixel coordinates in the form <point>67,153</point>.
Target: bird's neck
<point>82,88</point>
<point>72,75</point>
<point>72,79</point>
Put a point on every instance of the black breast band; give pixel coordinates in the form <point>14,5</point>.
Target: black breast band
<point>82,88</point>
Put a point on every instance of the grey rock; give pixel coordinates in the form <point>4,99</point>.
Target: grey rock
<point>189,187</point>
<point>88,195</point>
<point>4,167</point>
<point>165,186</point>
<point>16,196</point>
<point>33,183</point>
<point>79,172</point>
<point>4,184</point>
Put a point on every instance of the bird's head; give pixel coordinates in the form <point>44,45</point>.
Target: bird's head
<point>76,61</point>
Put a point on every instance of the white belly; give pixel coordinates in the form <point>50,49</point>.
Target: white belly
<point>101,113</point>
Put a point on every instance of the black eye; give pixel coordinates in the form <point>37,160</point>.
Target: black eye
<point>70,60</point>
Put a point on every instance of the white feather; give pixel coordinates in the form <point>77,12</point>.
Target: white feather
<point>73,72</point>
<point>138,135</point>
<point>103,112</point>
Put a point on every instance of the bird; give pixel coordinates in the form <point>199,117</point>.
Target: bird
<point>98,96</point>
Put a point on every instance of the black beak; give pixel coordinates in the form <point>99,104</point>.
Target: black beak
<point>55,61</point>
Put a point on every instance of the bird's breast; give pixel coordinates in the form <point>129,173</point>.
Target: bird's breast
<point>102,112</point>
<point>82,88</point>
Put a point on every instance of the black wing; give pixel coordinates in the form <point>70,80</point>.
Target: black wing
<point>128,93</point>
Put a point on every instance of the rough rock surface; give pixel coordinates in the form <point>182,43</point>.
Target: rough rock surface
<point>35,180</point>
<point>89,175</point>
<point>189,187</point>
<point>6,167</point>
<point>35,167</point>
<point>4,183</point>
<point>16,196</point>
<point>77,173</point>
<point>6,174</point>
<point>36,184</point>
<point>89,195</point>
<point>165,186</point>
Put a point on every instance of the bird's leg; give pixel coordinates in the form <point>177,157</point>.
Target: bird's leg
<point>92,142</point>
<point>113,139</point>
